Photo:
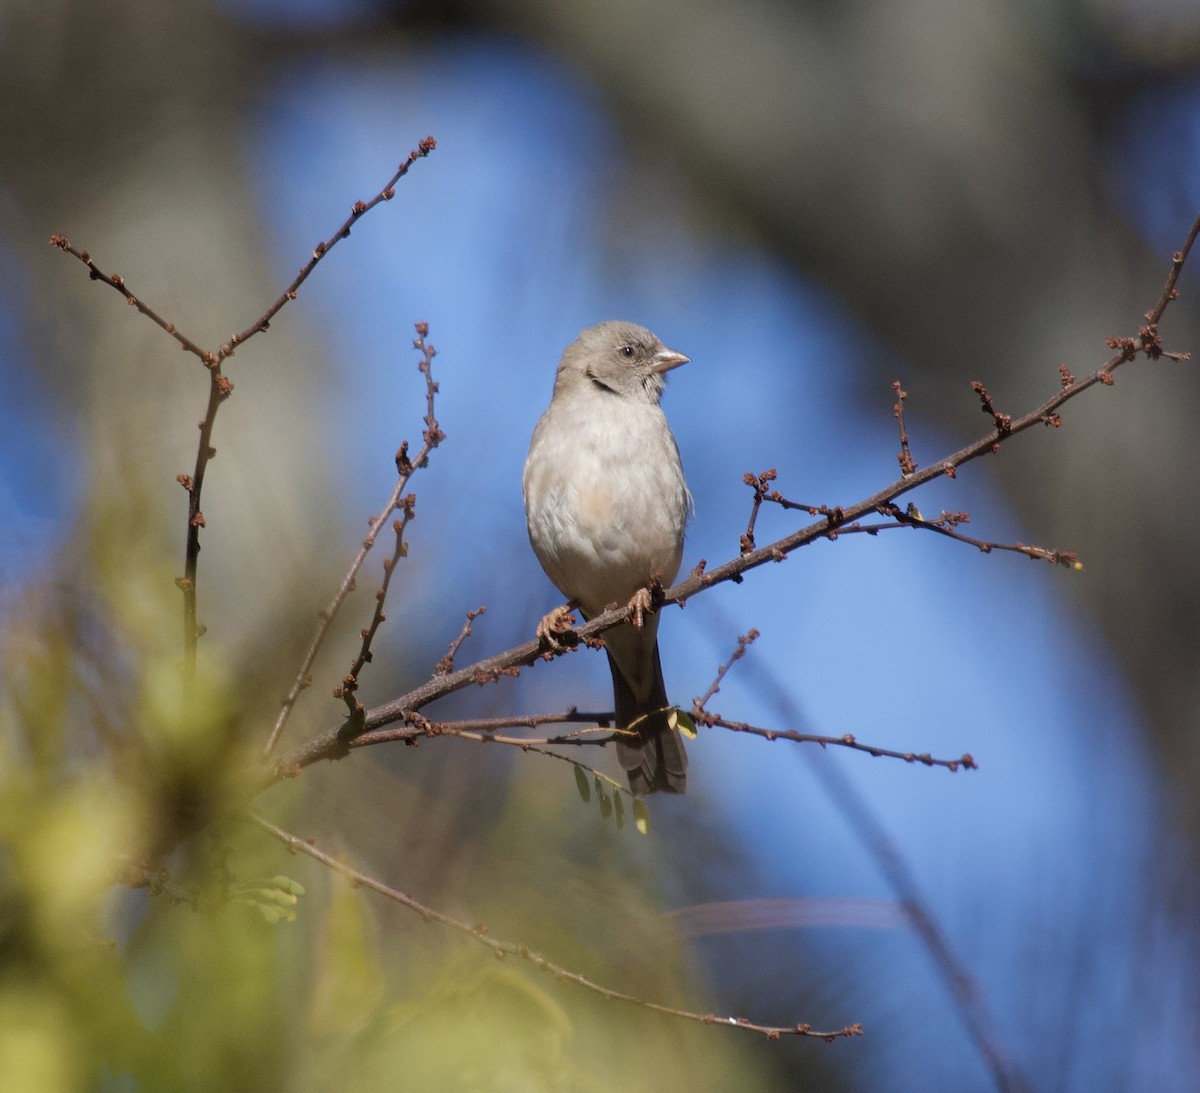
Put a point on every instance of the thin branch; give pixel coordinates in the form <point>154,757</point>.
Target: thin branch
<point>479,933</point>
<point>357,210</point>
<point>349,685</point>
<point>743,643</point>
<point>569,716</point>
<point>905,459</point>
<point>946,524</point>
<point>333,743</point>
<point>759,484</point>
<point>847,740</point>
<point>219,389</point>
<point>115,280</point>
<point>703,716</point>
<point>405,467</point>
<point>446,665</point>
<point>1002,422</point>
<point>422,729</point>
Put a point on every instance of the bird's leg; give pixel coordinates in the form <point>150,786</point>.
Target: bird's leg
<point>639,604</point>
<point>556,623</point>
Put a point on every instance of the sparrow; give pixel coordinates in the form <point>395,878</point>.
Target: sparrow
<point>606,506</point>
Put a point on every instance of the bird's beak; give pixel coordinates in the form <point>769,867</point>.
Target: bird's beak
<point>666,359</point>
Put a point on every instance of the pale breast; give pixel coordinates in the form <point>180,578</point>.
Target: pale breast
<point>605,499</point>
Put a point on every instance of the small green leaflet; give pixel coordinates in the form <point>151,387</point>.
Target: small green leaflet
<point>682,722</point>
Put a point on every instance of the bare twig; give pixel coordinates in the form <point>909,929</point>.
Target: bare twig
<point>468,730</point>
<point>759,484</point>
<point>446,665</point>
<point>847,740</point>
<point>1003,422</point>
<point>569,716</point>
<point>405,467</point>
<point>349,685</point>
<point>946,524</point>
<point>907,463</point>
<point>357,210</point>
<point>479,933</point>
<point>115,280</point>
<point>743,643</point>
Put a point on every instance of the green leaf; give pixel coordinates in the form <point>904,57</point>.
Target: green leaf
<point>275,898</point>
<point>288,885</point>
<point>271,913</point>
<point>602,797</point>
<point>581,783</point>
<point>682,722</point>
<point>620,809</point>
<point>641,815</point>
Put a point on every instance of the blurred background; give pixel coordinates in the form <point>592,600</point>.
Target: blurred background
<point>810,200</point>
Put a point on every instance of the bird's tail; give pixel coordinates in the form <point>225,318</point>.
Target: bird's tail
<point>655,759</point>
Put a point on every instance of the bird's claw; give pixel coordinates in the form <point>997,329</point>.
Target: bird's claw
<point>553,625</point>
<point>639,605</point>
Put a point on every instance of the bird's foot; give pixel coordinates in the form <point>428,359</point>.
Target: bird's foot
<point>639,605</point>
<point>554,624</point>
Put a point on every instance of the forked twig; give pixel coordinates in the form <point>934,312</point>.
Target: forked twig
<point>220,387</point>
<point>446,665</point>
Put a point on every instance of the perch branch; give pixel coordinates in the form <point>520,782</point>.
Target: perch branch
<point>333,743</point>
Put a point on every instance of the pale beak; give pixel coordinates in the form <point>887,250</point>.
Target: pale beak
<point>666,359</point>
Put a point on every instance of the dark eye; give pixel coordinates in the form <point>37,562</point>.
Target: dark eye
<point>626,351</point>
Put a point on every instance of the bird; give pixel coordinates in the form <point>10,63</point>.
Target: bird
<point>606,506</point>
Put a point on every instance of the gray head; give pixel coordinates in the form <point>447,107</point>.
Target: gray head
<point>623,358</point>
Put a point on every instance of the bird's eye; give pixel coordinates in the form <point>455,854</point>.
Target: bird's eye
<point>626,351</point>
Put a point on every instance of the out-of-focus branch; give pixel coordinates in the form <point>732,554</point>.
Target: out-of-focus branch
<point>479,933</point>
<point>955,973</point>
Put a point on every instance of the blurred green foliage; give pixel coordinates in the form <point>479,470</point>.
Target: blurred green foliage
<point>151,939</point>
